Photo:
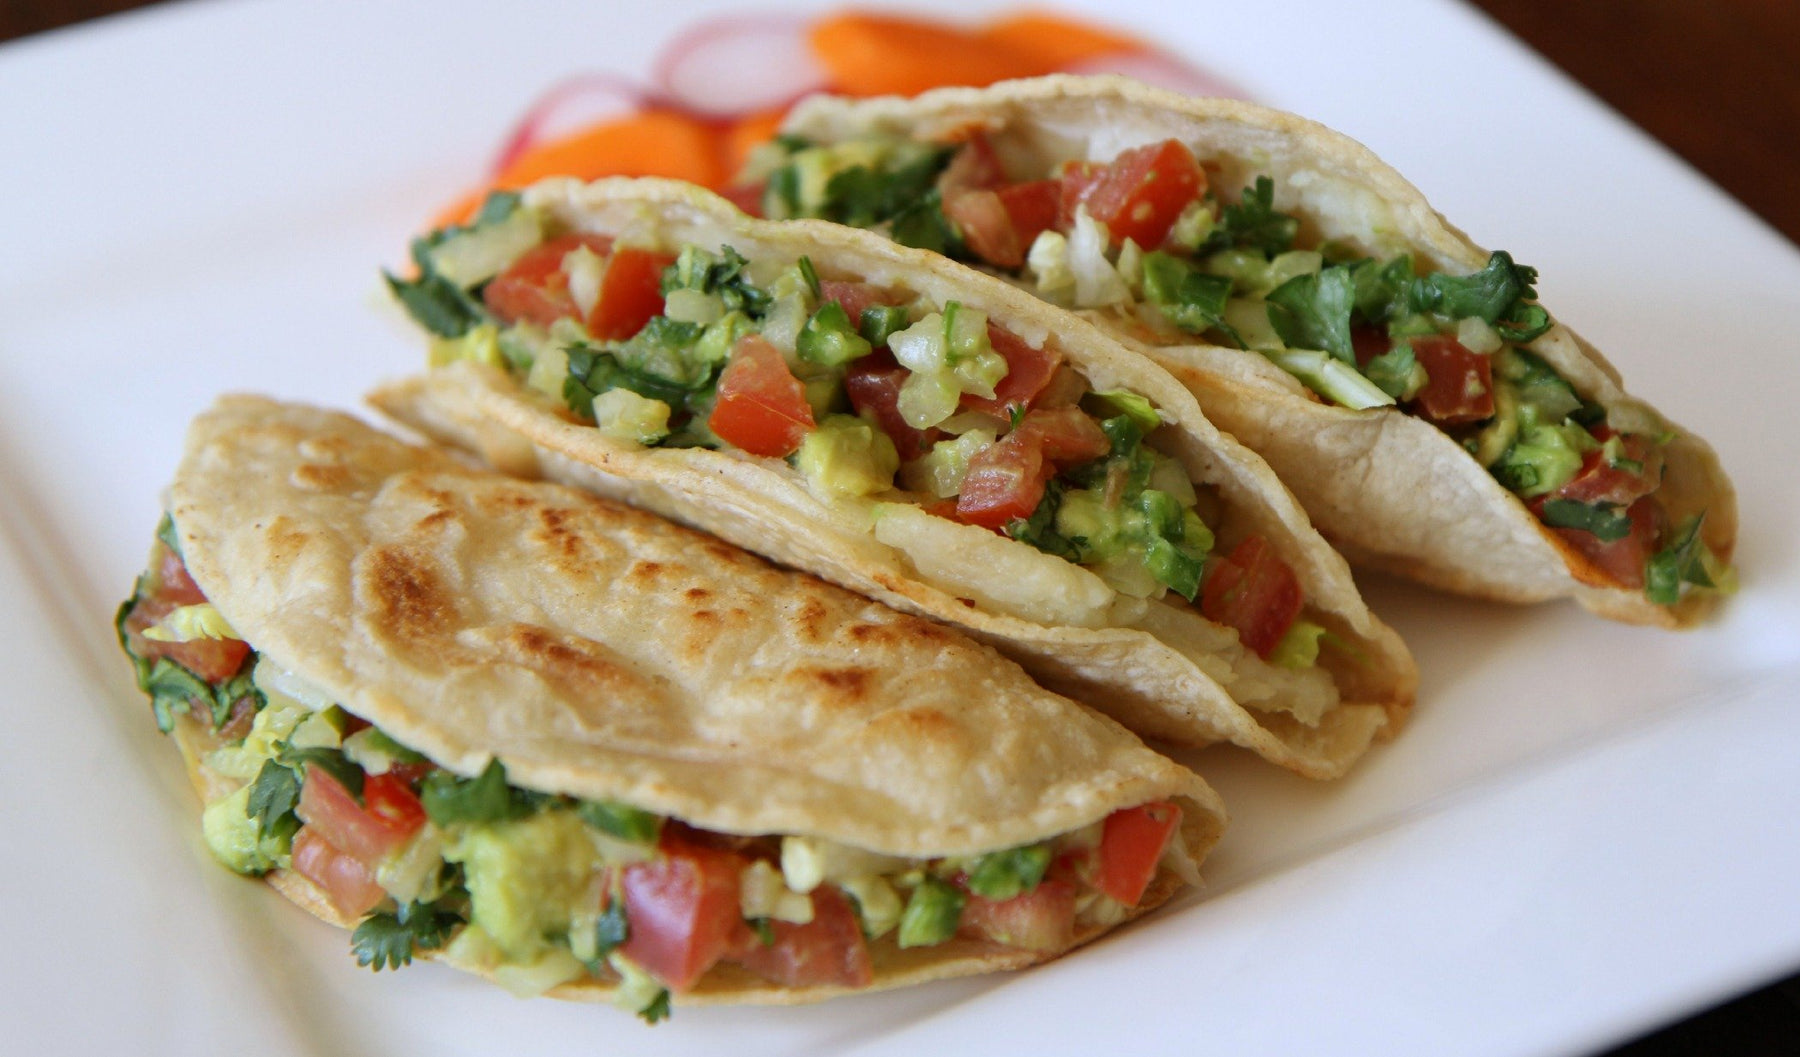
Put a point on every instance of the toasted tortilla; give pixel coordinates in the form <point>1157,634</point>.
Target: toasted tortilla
<point>1172,676</point>
<point>598,651</point>
<point>1390,490</point>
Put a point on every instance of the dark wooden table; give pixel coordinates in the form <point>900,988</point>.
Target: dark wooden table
<point>1719,83</point>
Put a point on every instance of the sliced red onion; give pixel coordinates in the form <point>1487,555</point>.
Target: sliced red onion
<point>1163,70</point>
<point>739,64</point>
<point>569,106</point>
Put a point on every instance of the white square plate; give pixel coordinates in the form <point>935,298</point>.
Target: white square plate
<point>1588,828</point>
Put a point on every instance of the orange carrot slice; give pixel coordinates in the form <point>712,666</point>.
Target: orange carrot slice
<point>653,143</point>
<point>885,54</point>
<point>1055,41</point>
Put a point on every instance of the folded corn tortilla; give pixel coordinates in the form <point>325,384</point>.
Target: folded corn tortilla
<point>1165,672</point>
<point>600,652</point>
<point>1389,489</point>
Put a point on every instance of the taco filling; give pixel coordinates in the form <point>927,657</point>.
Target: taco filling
<point>539,890</point>
<point>1148,241</point>
<point>927,409</point>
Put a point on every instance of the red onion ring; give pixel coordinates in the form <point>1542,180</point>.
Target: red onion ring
<point>735,65</point>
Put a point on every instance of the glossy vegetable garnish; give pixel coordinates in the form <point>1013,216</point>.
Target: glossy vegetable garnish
<point>1147,241</point>
<point>541,890</point>
<point>868,391</point>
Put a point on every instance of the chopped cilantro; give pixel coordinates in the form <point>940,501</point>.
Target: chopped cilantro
<point>610,932</point>
<point>923,225</point>
<point>437,304</point>
<point>620,820</point>
<point>1185,295</point>
<point>811,275</point>
<point>1682,561</point>
<point>389,940</point>
<point>1312,311</point>
<point>331,761</point>
<point>881,322</point>
<point>273,795</point>
<point>594,371</point>
<point>1253,222</point>
<point>1604,520</point>
<point>1039,530</point>
<point>450,799</point>
<point>765,932</point>
<point>658,1009</point>
<point>719,273</point>
<point>1487,294</point>
<point>1396,372</point>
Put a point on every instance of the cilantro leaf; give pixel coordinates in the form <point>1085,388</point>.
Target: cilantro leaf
<point>658,1009</point>
<point>594,371</point>
<point>437,304</point>
<point>1396,372</point>
<point>173,690</point>
<point>1487,294</point>
<point>331,761</point>
<point>273,796</point>
<point>1312,311</point>
<point>385,940</point>
<point>765,932</point>
<point>1682,561</point>
<point>923,225</point>
<point>1253,222</point>
<point>1604,520</point>
<point>620,820</point>
<point>862,197</point>
<point>450,799</point>
<point>1185,295</point>
<point>719,273</point>
<point>1381,288</point>
<point>611,932</point>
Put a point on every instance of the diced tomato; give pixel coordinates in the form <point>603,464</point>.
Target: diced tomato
<point>1075,181</point>
<point>1067,436</point>
<point>1131,845</point>
<point>1254,591</point>
<point>346,882</point>
<point>981,218</point>
<point>1005,481</point>
<point>1042,919</point>
<point>630,294</point>
<point>974,167</point>
<point>1369,342</point>
<point>1599,481</point>
<point>1028,371</point>
<point>873,384</point>
<point>213,660</point>
<point>534,287</point>
<point>853,298</point>
<point>1032,206</point>
<point>683,911</point>
<point>827,951</point>
<point>747,197</point>
<point>762,407</point>
<point>366,834</point>
<point>1623,559</point>
<point>173,581</point>
<point>1461,386</point>
<point>1142,193</point>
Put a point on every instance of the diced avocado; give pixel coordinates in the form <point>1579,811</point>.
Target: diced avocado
<point>969,353</point>
<point>481,344</point>
<point>323,729</point>
<point>693,306</point>
<point>625,416</point>
<point>877,904</point>
<point>231,836</point>
<point>1106,531</point>
<point>1543,459</point>
<point>880,322</point>
<point>1193,226</point>
<point>1246,268</point>
<point>940,471</point>
<point>1005,874</point>
<point>474,255</point>
<point>932,914</point>
<point>1124,402</point>
<point>1299,648</point>
<point>1186,296</point>
<point>1500,432</point>
<point>1174,567</point>
<point>848,456</point>
<point>526,877</point>
<point>828,338</point>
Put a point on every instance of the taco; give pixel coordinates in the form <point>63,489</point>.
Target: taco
<point>917,432</point>
<point>570,746</point>
<point>1430,415</point>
